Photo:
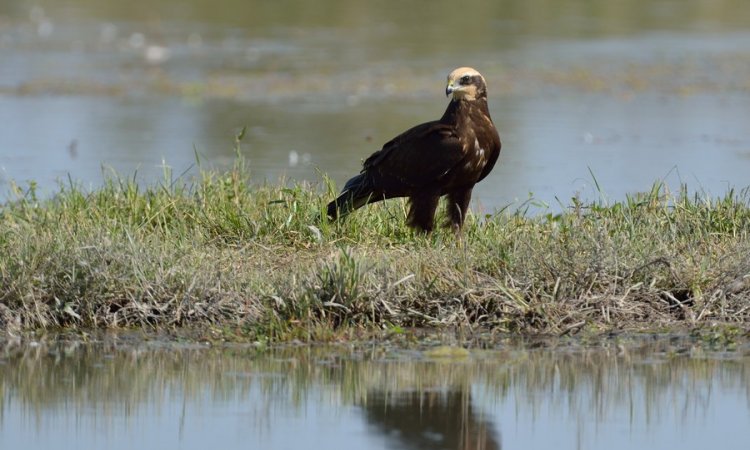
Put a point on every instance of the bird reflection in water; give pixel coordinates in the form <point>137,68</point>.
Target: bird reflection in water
<point>442,419</point>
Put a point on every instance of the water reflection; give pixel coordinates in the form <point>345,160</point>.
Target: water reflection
<point>431,419</point>
<point>628,394</point>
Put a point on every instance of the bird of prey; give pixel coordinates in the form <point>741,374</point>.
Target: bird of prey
<point>443,157</point>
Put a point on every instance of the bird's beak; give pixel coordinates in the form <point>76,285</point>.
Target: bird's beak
<point>449,89</point>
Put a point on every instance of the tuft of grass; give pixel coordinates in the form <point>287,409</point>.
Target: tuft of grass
<point>220,252</point>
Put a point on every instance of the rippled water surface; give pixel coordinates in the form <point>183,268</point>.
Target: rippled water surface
<point>631,91</point>
<point>618,394</point>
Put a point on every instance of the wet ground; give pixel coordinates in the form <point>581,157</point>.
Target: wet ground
<point>631,91</point>
<point>116,392</point>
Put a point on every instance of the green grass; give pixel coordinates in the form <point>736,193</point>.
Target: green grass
<point>221,253</point>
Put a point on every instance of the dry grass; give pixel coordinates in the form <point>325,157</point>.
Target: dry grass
<point>256,261</point>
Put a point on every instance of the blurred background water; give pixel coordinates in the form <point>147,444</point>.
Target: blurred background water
<point>632,91</point>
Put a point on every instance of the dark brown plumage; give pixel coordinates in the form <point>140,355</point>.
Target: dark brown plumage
<point>444,157</point>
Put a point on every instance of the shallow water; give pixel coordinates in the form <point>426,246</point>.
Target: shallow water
<point>631,91</point>
<point>628,393</point>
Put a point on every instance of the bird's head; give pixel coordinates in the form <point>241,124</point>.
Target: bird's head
<point>466,83</point>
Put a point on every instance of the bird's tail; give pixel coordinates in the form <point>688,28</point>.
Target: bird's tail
<point>357,192</point>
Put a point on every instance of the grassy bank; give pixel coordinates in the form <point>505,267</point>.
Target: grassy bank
<point>223,254</point>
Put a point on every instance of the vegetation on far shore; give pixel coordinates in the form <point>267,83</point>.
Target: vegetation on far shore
<point>244,260</point>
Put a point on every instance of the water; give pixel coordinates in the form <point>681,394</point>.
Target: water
<point>128,393</point>
<point>631,91</point>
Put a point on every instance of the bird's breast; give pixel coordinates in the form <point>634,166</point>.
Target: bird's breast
<point>474,161</point>
<point>479,151</point>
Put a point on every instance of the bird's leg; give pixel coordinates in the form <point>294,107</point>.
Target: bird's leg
<point>422,211</point>
<point>458,204</point>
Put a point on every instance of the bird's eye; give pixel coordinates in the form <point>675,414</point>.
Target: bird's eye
<point>465,79</point>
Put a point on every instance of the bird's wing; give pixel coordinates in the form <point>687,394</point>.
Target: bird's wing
<point>417,157</point>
